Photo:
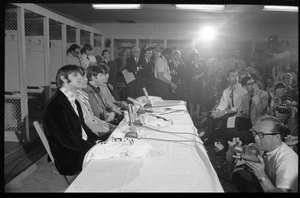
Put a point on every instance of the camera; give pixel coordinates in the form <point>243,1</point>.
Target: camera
<point>285,107</point>
<point>248,152</point>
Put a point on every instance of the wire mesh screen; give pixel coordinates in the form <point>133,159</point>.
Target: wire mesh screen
<point>71,34</point>
<point>12,111</point>
<point>36,104</point>
<point>53,89</point>
<point>11,20</point>
<point>97,40</point>
<point>34,27</point>
<point>84,37</point>
<point>55,32</point>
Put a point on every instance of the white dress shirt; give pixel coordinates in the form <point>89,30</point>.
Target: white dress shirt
<point>225,102</point>
<point>71,97</point>
<point>161,65</point>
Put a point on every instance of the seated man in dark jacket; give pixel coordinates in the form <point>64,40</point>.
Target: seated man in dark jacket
<point>68,136</point>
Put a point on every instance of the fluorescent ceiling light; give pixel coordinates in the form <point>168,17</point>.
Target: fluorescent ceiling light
<point>116,6</point>
<point>200,6</point>
<point>281,8</point>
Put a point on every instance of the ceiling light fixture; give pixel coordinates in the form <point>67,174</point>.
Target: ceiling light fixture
<point>200,7</point>
<point>116,6</point>
<point>280,8</point>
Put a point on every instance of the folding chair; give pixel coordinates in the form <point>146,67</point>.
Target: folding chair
<point>40,131</point>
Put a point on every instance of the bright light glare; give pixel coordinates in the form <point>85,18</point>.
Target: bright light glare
<point>281,8</point>
<point>116,6</point>
<point>208,33</point>
<point>200,6</point>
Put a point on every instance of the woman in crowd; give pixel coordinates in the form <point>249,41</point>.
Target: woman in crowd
<point>87,58</point>
<point>196,70</point>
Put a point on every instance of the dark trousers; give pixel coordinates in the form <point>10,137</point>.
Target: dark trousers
<point>162,89</point>
<point>216,128</point>
<point>241,130</point>
<point>131,89</point>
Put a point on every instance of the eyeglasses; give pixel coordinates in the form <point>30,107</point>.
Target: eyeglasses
<point>136,51</point>
<point>252,83</point>
<point>261,135</point>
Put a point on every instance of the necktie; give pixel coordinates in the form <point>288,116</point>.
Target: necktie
<point>236,64</point>
<point>79,110</point>
<point>84,135</point>
<point>231,96</point>
<point>87,57</point>
<point>250,103</point>
<point>265,157</point>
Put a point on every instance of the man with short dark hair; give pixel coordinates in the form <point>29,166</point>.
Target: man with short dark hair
<point>97,76</point>
<point>146,75</point>
<point>228,106</point>
<point>163,83</point>
<point>68,136</point>
<point>254,105</point>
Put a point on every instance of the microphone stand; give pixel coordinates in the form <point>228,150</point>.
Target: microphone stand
<point>132,130</point>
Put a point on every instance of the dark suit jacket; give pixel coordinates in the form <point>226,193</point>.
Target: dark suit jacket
<point>113,66</point>
<point>148,68</point>
<point>131,66</point>
<point>62,128</point>
<point>180,70</point>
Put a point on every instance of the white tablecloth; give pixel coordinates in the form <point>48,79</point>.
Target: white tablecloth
<point>170,166</point>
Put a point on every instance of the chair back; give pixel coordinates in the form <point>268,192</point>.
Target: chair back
<point>40,131</point>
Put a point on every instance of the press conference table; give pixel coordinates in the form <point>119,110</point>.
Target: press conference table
<point>178,162</point>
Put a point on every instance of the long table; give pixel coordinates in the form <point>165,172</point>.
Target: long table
<point>177,162</point>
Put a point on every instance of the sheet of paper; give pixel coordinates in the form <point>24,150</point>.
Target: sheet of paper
<point>129,77</point>
<point>231,121</point>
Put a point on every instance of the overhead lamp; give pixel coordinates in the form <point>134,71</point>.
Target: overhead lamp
<point>280,8</point>
<point>116,6</point>
<point>200,7</point>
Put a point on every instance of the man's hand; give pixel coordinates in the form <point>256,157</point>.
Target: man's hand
<point>218,114</point>
<point>257,168</point>
<point>111,116</point>
<point>139,68</point>
<point>173,85</point>
<point>235,142</point>
<point>255,99</point>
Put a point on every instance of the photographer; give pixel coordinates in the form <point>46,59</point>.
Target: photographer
<point>282,106</point>
<point>276,170</point>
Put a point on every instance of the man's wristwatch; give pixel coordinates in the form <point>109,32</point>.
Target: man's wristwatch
<point>225,112</point>
<point>263,178</point>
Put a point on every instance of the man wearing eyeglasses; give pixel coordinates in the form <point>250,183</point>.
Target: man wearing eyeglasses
<point>277,169</point>
<point>73,55</point>
<point>133,65</point>
<point>254,105</point>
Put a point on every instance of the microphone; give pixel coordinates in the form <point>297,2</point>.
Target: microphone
<point>148,104</point>
<point>135,102</point>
